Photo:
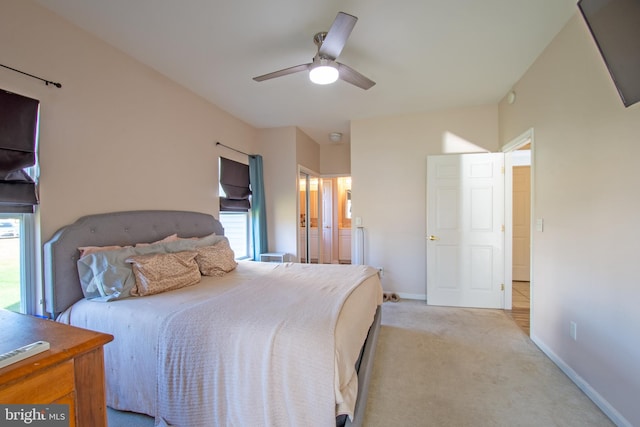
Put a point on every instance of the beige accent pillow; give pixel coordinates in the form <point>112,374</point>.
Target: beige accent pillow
<point>216,260</point>
<point>156,273</point>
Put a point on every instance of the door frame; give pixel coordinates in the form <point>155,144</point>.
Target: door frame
<point>525,138</point>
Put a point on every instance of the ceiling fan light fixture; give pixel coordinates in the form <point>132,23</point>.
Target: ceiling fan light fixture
<point>323,72</point>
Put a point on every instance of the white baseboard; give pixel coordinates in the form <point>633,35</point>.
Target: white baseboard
<point>600,401</point>
<point>422,297</point>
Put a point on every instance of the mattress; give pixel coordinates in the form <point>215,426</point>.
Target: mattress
<point>130,360</point>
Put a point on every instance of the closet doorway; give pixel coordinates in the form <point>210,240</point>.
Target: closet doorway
<point>324,229</point>
<point>309,216</point>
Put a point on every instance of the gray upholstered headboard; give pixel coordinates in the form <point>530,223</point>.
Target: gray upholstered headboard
<point>62,285</point>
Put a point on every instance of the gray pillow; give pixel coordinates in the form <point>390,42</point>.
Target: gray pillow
<point>105,276</point>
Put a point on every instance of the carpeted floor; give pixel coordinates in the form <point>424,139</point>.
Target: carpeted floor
<point>441,366</point>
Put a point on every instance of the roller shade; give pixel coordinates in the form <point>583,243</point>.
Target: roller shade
<point>18,135</point>
<point>234,180</point>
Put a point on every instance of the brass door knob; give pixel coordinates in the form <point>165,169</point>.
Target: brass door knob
<point>432,237</point>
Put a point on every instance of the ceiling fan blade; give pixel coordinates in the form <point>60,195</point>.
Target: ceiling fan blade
<point>350,75</point>
<point>337,35</point>
<point>280,73</point>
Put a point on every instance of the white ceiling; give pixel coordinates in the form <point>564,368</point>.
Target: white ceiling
<point>423,54</point>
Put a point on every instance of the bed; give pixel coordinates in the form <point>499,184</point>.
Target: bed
<point>262,344</point>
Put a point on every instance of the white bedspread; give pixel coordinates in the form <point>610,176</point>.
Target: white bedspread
<point>265,349</point>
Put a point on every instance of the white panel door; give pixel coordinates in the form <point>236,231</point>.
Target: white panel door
<point>465,237</point>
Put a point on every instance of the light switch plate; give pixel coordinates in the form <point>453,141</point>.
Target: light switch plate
<point>540,224</point>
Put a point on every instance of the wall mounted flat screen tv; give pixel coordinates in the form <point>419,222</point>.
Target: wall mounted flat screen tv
<point>615,26</point>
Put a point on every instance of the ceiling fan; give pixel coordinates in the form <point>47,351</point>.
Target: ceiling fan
<point>324,68</point>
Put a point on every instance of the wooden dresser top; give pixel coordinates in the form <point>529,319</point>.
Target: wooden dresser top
<point>67,342</point>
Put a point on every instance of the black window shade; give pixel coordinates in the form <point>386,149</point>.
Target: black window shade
<point>234,179</point>
<point>18,133</point>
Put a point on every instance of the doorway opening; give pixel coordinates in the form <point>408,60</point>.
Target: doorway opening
<point>336,236</point>
<point>519,190</point>
<point>324,208</point>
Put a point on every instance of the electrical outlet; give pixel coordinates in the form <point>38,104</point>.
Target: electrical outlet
<point>381,271</point>
<point>573,330</point>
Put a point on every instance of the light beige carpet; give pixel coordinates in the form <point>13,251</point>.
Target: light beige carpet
<point>457,367</point>
<point>441,366</point>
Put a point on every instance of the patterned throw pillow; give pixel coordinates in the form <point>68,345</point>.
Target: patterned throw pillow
<point>216,260</point>
<point>161,272</point>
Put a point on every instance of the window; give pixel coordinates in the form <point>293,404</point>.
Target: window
<point>10,263</point>
<point>235,204</point>
<point>19,260</point>
<point>17,263</point>
<point>236,228</point>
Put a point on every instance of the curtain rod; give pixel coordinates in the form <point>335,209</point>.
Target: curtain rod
<point>231,148</point>
<point>47,82</point>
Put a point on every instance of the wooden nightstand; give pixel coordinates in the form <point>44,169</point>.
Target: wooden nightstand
<point>70,372</point>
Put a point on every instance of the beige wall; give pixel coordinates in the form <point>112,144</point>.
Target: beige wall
<point>307,151</point>
<point>284,150</point>
<point>586,175</point>
<point>335,159</point>
<point>388,170</point>
<point>278,148</point>
<point>117,135</point>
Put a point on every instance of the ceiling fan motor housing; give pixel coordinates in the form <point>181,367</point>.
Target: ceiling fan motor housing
<point>318,38</point>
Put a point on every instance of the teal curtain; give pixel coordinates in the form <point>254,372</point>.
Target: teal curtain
<point>258,209</point>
